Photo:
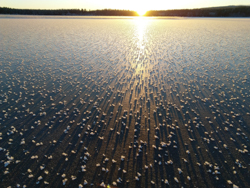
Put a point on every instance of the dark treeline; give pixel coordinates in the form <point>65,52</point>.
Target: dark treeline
<point>104,12</point>
<point>229,11</point>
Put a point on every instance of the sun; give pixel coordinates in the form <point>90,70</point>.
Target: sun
<point>141,12</point>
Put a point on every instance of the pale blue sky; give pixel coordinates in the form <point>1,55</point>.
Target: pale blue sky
<point>116,4</point>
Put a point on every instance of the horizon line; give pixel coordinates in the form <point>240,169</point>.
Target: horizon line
<point>226,6</point>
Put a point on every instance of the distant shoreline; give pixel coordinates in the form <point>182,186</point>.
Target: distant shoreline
<point>228,11</point>
<point>106,17</point>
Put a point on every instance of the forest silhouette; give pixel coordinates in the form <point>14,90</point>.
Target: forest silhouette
<point>228,11</point>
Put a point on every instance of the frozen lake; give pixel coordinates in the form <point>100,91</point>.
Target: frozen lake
<point>130,102</point>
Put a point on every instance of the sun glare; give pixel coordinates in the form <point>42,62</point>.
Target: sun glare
<point>141,12</point>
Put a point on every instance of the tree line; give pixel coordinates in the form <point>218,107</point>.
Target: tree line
<point>229,11</point>
<point>104,12</point>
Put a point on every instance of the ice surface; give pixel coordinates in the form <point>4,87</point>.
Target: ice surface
<point>143,98</point>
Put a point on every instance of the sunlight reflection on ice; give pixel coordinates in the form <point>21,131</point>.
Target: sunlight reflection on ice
<point>142,25</point>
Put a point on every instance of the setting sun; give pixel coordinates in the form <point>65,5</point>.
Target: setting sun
<point>141,12</point>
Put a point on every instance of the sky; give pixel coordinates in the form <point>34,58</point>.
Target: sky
<point>119,4</point>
